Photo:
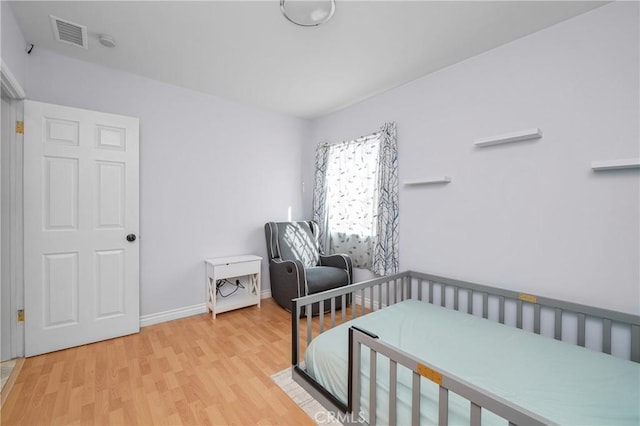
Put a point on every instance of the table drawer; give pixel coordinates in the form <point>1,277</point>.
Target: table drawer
<point>236,269</point>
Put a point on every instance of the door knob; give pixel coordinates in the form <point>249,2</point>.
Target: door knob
<point>131,237</point>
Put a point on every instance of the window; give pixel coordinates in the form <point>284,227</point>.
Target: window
<point>352,201</point>
<point>355,195</point>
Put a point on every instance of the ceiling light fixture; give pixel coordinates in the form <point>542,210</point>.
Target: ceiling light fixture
<point>308,13</point>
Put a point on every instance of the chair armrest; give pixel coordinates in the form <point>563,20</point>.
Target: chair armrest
<point>342,261</point>
<point>288,281</point>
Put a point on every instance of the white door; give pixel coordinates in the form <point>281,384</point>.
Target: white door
<point>81,272</point>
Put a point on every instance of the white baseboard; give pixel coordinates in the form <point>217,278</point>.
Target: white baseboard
<point>172,314</point>
<point>187,311</point>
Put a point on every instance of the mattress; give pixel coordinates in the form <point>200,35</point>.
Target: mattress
<point>564,383</point>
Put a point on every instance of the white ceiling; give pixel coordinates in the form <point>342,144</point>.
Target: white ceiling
<point>248,52</point>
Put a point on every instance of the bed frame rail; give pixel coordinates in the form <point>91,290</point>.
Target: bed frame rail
<point>570,319</point>
<point>589,326</point>
<point>478,398</point>
<point>565,315</point>
<point>365,297</point>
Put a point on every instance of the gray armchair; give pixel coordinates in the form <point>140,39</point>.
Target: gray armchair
<point>296,266</point>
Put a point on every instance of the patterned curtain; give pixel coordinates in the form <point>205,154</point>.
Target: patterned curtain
<point>356,199</point>
<point>320,195</point>
<point>352,198</point>
<point>385,252</point>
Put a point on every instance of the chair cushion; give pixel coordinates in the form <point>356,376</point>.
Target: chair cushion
<point>296,242</point>
<point>322,278</point>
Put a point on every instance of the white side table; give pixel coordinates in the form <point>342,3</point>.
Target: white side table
<point>233,267</point>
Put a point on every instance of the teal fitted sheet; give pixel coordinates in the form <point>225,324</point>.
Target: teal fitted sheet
<point>564,383</point>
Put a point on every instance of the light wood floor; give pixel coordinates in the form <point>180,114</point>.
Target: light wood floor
<point>190,371</point>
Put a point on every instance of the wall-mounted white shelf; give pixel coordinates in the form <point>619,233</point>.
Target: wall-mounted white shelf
<point>522,135</point>
<point>432,181</point>
<point>625,163</point>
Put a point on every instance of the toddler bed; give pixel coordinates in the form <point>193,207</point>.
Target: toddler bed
<point>425,362</point>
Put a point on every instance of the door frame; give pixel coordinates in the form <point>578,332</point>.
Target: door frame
<point>14,258</point>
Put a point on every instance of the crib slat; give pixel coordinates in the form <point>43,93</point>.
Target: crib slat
<point>372,387</point>
<point>321,318</point>
<point>402,290</point>
<point>430,291</point>
<point>475,415</point>
<point>374,291</point>
<point>635,343</point>
<point>333,312</point>
<point>501,309</point>
<point>419,289</point>
<point>355,379</point>
<point>536,318</point>
<point>388,298</point>
<point>295,341</point>
<point>470,302</point>
<point>415,399</point>
<point>406,281</point>
<point>581,329</point>
<point>519,313</point>
<point>393,386</point>
<point>343,307</point>
<point>307,310</point>
<point>373,298</point>
<point>606,336</point>
<point>557,333</point>
<point>485,305</point>
<point>443,290</point>
<point>455,298</point>
<point>353,305</point>
<point>363,301</point>
<point>443,407</point>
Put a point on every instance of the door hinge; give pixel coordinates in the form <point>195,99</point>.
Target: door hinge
<point>20,315</point>
<point>20,127</point>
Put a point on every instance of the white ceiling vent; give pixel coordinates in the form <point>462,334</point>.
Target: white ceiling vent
<point>69,32</point>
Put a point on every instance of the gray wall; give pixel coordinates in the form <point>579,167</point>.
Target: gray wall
<point>212,172</point>
<point>13,45</point>
<point>529,216</point>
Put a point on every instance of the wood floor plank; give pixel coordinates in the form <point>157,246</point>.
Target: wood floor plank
<point>193,371</point>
